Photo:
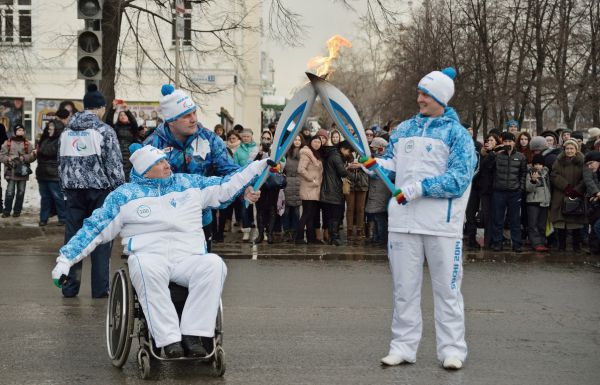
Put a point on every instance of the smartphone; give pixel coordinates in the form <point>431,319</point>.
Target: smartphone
<point>118,101</point>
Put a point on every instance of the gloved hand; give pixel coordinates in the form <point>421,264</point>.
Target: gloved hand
<point>273,166</point>
<point>61,268</point>
<point>412,191</point>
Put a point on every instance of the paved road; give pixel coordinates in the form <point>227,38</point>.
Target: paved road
<point>315,322</point>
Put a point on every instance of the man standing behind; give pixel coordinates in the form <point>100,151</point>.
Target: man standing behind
<point>433,158</point>
<point>190,147</point>
<point>509,184</point>
<point>89,167</point>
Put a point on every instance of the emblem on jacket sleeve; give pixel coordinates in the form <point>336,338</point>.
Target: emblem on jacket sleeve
<point>143,211</point>
<point>173,202</point>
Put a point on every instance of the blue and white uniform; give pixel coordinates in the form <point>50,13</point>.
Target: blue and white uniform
<point>160,225</point>
<point>202,153</point>
<point>433,161</point>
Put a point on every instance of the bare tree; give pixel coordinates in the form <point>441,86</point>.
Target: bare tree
<point>571,57</point>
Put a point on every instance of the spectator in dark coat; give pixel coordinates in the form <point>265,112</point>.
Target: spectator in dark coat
<point>566,179</point>
<point>291,215</point>
<point>474,198</point>
<point>332,197</point>
<point>126,128</point>
<point>487,165</point>
<point>509,184</point>
<point>591,177</point>
<point>47,174</point>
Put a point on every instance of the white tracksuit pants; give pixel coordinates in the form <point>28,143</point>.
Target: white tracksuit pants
<point>203,275</point>
<point>444,259</point>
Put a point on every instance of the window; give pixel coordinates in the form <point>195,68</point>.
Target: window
<point>15,21</point>
<point>187,24</point>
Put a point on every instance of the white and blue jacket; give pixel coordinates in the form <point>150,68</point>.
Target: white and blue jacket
<point>437,156</point>
<point>89,155</point>
<point>159,216</point>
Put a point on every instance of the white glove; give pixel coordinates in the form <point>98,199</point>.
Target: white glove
<point>62,268</point>
<point>412,191</point>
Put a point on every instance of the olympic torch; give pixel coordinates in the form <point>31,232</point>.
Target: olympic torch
<point>345,116</point>
<point>290,123</point>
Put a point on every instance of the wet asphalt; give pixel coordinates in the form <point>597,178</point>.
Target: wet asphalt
<point>312,315</point>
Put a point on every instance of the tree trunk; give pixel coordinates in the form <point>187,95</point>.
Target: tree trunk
<point>111,31</point>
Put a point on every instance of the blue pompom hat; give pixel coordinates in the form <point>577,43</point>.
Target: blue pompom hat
<point>439,85</point>
<point>175,103</point>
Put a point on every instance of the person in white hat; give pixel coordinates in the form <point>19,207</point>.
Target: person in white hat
<point>433,158</point>
<point>158,216</point>
<point>594,134</point>
<point>189,146</point>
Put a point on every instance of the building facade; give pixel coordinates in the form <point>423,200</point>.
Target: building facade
<point>220,59</point>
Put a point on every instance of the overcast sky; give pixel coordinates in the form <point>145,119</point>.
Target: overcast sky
<point>323,19</point>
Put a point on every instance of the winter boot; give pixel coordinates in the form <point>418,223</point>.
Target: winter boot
<point>318,235</point>
<point>576,240</point>
<point>350,235</point>
<point>326,236</point>
<point>261,228</point>
<point>562,239</point>
<point>246,234</point>
<point>360,235</point>
<point>334,234</point>
<point>272,220</point>
<point>472,244</point>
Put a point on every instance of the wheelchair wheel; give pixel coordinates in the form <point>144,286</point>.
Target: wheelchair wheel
<point>144,364</point>
<point>219,327</point>
<point>219,362</point>
<point>120,318</point>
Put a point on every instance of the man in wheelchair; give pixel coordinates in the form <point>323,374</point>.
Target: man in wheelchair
<point>159,217</point>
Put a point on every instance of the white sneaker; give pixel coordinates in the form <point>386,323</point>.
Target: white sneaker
<point>452,363</point>
<point>392,360</point>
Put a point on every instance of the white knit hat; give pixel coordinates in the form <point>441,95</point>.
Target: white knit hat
<point>144,158</point>
<point>594,132</point>
<point>175,103</point>
<point>439,85</point>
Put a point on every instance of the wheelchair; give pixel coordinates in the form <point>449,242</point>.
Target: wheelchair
<point>121,328</point>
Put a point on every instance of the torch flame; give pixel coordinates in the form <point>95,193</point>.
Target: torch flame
<point>323,64</point>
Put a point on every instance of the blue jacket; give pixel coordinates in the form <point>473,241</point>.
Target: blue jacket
<point>438,155</point>
<point>203,153</point>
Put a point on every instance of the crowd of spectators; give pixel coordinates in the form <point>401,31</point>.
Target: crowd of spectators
<point>543,189</point>
<point>529,191</point>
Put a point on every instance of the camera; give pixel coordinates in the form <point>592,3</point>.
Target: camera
<point>502,148</point>
<point>266,146</point>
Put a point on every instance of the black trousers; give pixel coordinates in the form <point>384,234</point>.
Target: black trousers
<point>332,212</point>
<point>79,204</point>
<point>471,215</point>
<point>309,210</point>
